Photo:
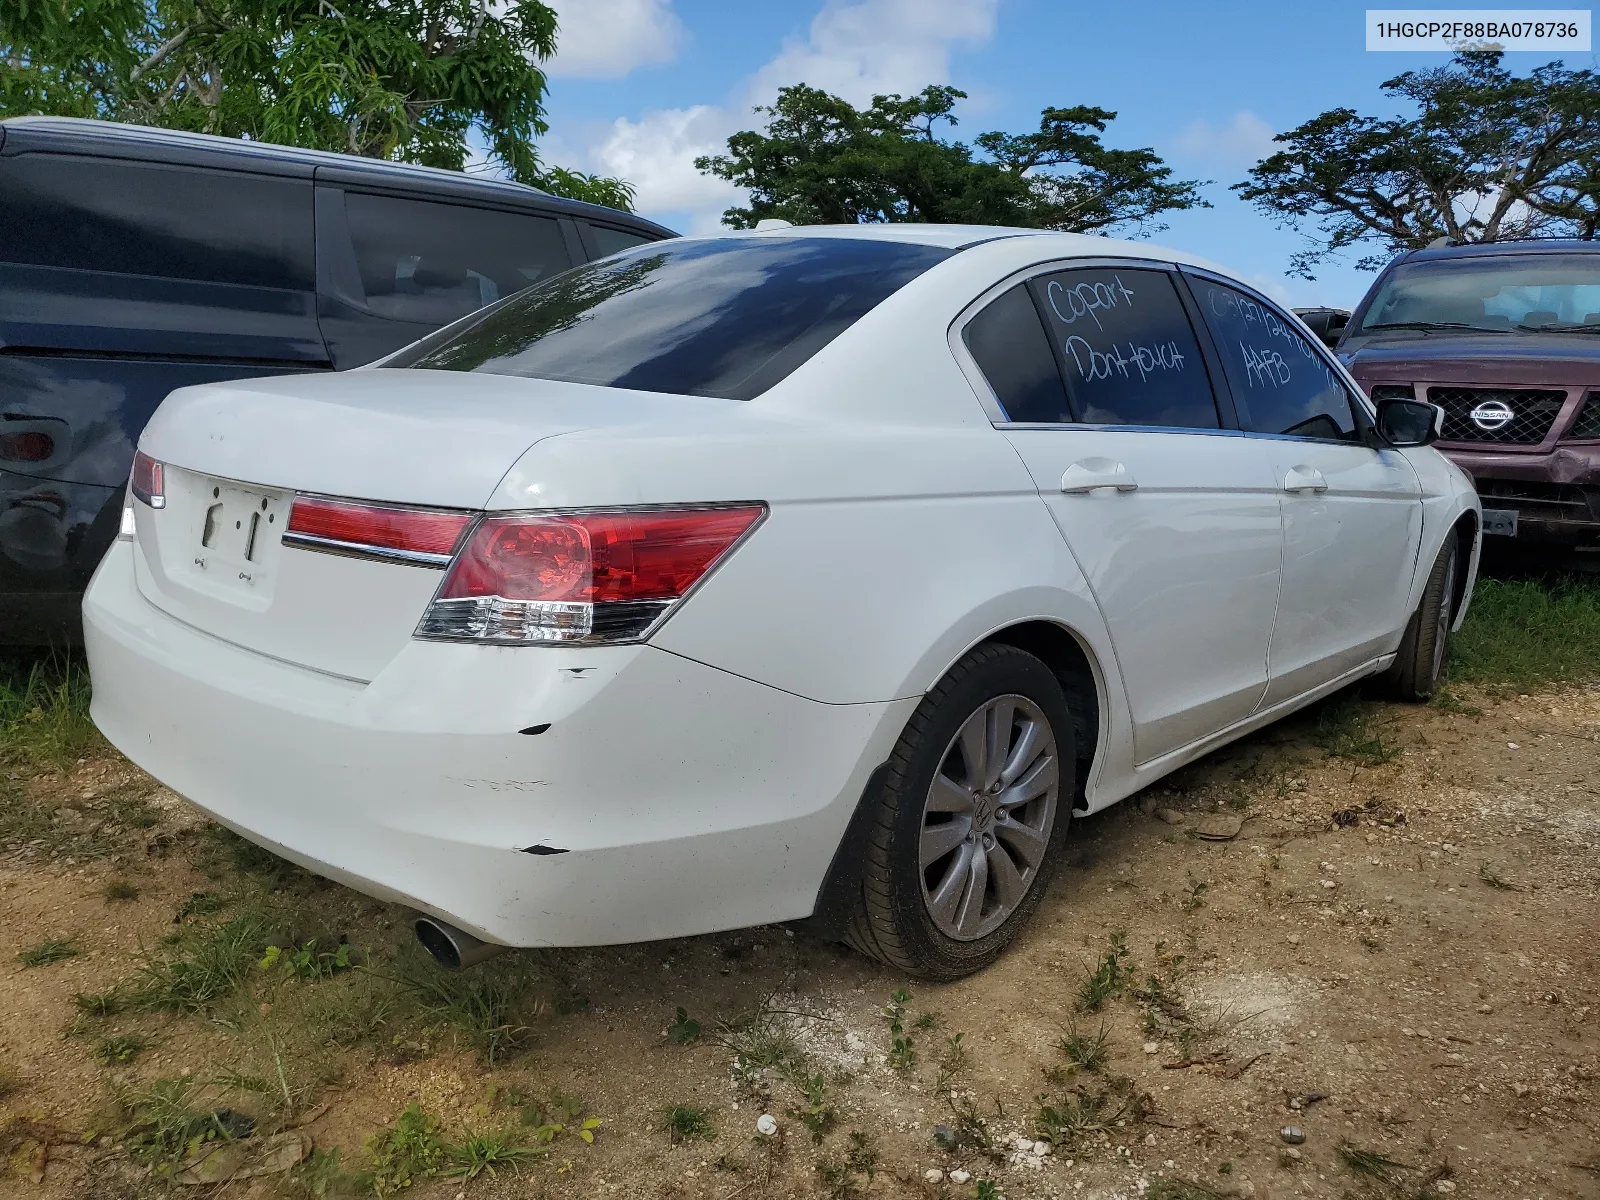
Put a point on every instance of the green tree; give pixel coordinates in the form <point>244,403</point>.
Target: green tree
<point>1487,156</point>
<point>822,160</point>
<point>395,79</point>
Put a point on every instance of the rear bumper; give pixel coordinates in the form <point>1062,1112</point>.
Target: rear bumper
<point>666,797</point>
<point>1556,495</point>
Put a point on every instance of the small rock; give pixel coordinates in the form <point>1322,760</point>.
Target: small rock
<point>1328,883</point>
<point>1444,1185</point>
<point>933,1175</point>
<point>1040,1149</point>
<point>960,1176</point>
<point>1147,805</point>
<point>766,1124</point>
<point>1293,939</point>
<point>1171,816</point>
<point>1291,1154</point>
<point>1292,1134</point>
<point>1219,827</point>
<point>1022,1143</point>
<point>1151,1047</point>
<point>1149,1139</point>
<point>1485,1009</point>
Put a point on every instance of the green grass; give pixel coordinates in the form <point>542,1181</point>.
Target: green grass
<point>683,1122</point>
<point>411,1149</point>
<point>1525,633</point>
<point>1085,1052</point>
<point>166,1122</point>
<point>44,709</point>
<point>1109,977</point>
<point>484,1153</point>
<point>207,964</point>
<point>121,1049</point>
<point>1355,729</point>
<point>492,1008</point>
<point>51,950</point>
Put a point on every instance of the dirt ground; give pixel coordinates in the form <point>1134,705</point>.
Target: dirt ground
<point>1399,955</point>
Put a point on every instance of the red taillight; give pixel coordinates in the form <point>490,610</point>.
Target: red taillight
<point>147,483</point>
<point>590,577</point>
<point>29,447</point>
<point>383,531</point>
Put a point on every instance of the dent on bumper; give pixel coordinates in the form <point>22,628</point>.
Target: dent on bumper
<point>1556,496</point>
<point>681,799</point>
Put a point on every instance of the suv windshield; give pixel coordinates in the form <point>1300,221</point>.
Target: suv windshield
<point>1503,291</point>
<point>728,317</point>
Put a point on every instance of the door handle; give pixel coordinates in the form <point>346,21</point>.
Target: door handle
<point>1304,479</point>
<point>1091,474</point>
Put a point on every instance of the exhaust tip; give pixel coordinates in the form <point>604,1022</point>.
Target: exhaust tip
<point>452,948</point>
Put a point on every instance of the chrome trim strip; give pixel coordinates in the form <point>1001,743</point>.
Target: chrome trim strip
<point>322,545</point>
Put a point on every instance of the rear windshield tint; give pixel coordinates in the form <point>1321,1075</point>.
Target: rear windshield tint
<point>726,318</point>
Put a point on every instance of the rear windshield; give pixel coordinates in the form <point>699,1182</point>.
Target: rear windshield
<point>1530,292</point>
<point>726,318</point>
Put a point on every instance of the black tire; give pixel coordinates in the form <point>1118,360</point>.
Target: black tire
<point>1419,666</point>
<point>892,921</point>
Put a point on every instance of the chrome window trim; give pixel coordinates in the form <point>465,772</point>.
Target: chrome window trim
<point>979,383</point>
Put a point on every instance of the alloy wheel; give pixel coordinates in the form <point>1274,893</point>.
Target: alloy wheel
<point>988,815</point>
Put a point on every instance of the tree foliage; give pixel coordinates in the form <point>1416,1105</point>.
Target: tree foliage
<point>1488,156</point>
<point>394,79</point>
<point>822,160</point>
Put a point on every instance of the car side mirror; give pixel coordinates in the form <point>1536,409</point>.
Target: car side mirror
<point>1327,323</point>
<point>1404,422</point>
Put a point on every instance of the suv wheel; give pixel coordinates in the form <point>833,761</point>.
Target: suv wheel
<point>968,823</point>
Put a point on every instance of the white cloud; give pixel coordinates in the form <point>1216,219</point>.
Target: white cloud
<point>854,49</point>
<point>1242,142</point>
<point>858,50</point>
<point>656,154</point>
<point>606,39</point>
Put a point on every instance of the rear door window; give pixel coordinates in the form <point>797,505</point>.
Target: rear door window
<point>107,215</point>
<point>428,263</point>
<point>1126,348</point>
<point>609,241</point>
<point>1281,383</point>
<point>725,317</point>
<point>1008,342</point>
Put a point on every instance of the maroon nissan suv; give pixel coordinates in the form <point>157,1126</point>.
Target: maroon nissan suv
<point>1505,337</point>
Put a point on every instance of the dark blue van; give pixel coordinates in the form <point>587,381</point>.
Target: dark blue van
<point>134,261</point>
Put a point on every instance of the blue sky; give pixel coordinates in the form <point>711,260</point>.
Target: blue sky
<point>639,87</point>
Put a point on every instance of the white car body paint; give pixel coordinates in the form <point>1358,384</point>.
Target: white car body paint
<point>703,780</point>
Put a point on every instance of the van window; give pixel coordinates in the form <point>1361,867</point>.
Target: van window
<point>132,218</point>
<point>609,241</point>
<point>725,317</point>
<point>430,263</point>
<point>1281,383</point>
<point>1010,346</point>
<point>1127,349</point>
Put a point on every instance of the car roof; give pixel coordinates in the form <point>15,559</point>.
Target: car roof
<point>1492,249</point>
<point>82,136</point>
<point>1045,242</point>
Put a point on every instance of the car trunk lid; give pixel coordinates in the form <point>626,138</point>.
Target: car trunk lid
<point>236,456</point>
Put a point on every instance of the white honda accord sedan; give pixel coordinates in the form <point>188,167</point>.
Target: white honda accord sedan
<point>819,572</point>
